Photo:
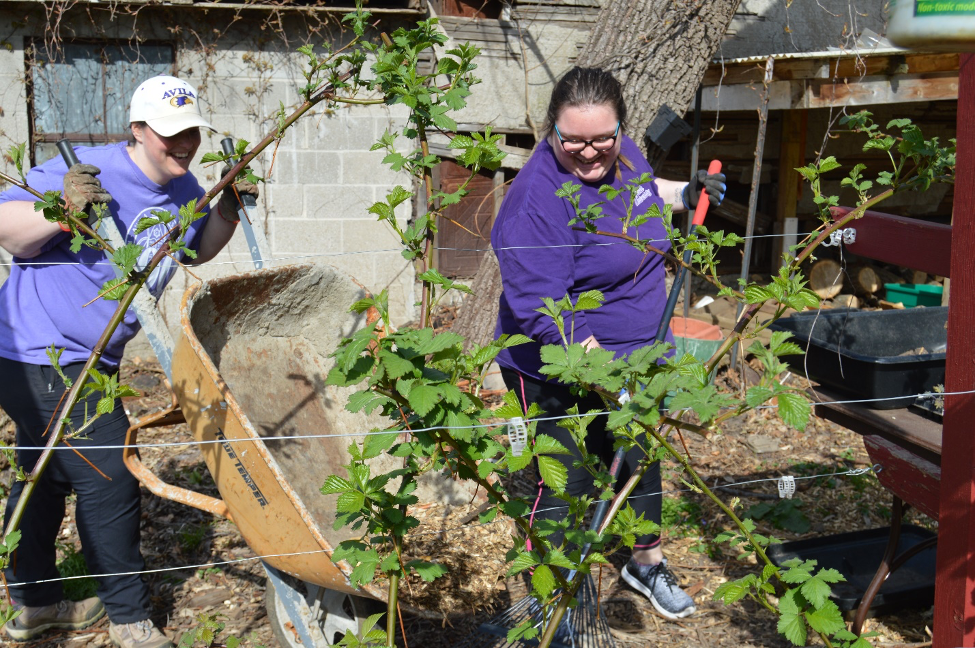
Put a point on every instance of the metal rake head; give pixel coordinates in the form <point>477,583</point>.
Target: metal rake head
<point>583,627</point>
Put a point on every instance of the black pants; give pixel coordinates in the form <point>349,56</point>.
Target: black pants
<point>107,511</point>
<point>555,399</point>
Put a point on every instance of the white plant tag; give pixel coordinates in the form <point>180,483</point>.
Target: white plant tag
<point>785,485</point>
<point>518,435</point>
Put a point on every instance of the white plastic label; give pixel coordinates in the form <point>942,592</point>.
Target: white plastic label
<point>785,485</point>
<point>518,435</point>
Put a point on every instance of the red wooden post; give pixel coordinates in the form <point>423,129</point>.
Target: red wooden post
<point>953,624</point>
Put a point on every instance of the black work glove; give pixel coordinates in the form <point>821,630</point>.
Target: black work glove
<point>81,188</point>
<point>228,204</point>
<point>715,185</point>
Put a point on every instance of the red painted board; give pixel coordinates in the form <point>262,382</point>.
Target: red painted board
<point>889,238</point>
<point>953,624</point>
<point>906,475</point>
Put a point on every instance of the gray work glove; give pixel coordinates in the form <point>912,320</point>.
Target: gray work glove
<point>81,188</point>
<point>228,204</point>
<point>715,185</point>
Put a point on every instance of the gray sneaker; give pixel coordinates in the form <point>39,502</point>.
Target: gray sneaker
<point>658,583</point>
<point>63,615</point>
<point>141,634</point>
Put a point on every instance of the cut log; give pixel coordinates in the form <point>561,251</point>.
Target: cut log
<point>865,281</point>
<point>846,300</point>
<point>825,277</point>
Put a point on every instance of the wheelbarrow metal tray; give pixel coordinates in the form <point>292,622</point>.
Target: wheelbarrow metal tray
<point>876,355</point>
<point>249,367</point>
<point>857,556</point>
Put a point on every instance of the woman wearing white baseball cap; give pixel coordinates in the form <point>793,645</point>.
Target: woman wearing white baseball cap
<point>43,303</point>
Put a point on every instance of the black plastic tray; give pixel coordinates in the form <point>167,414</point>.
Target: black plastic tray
<point>857,556</point>
<point>875,355</point>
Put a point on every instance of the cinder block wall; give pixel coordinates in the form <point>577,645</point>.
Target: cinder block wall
<point>321,177</point>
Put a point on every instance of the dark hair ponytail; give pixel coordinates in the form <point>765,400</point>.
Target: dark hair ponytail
<point>585,87</point>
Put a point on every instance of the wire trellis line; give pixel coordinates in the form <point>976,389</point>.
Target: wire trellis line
<point>306,256</point>
<point>361,434</point>
<point>188,567</point>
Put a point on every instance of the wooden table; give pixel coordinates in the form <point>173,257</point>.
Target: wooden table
<point>907,445</point>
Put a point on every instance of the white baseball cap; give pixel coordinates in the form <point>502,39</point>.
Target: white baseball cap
<point>167,105</point>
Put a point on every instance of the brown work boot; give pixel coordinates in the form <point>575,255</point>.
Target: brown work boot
<point>141,634</point>
<point>63,615</point>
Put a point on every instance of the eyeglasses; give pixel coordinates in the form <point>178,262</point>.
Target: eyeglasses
<point>598,144</point>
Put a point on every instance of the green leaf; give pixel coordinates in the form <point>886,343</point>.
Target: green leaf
<point>757,395</point>
<point>555,557</point>
<point>796,574</point>
<point>543,580</point>
<point>544,444</point>
<point>350,502</point>
<point>730,592</point>
<point>791,623</point>
<point>830,575</point>
<point>423,399</point>
<point>335,484</point>
<point>816,591</point>
<point>756,294</point>
<point>524,560</point>
<point>553,473</point>
<point>794,410</point>
<point>377,443</point>
<point>828,164</point>
<point>589,300</point>
<point>429,571</point>
<point>104,406</point>
<point>826,619</point>
<point>395,366</point>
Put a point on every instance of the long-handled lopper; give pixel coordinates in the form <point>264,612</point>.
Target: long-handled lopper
<point>257,244</point>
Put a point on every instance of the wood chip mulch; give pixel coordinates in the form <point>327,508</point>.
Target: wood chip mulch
<point>175,536</point>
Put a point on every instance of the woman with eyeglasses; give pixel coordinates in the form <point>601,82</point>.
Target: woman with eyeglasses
<point>540,255</point>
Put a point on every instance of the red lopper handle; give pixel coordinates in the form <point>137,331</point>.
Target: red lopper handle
<point>700,209</point>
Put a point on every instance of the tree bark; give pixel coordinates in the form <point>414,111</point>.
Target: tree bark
<point>659,50</point>
<point>477,314</point>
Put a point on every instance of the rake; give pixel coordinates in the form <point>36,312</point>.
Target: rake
<point>585,625</point>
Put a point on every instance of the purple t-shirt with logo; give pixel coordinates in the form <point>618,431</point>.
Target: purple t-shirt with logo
<point>42,302</point>
<point>540,255</point>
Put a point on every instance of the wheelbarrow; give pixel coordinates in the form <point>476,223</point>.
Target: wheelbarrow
<point>249,378</point>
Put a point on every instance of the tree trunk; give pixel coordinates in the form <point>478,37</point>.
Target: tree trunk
<point>659,50</point>
<point>477,314</point>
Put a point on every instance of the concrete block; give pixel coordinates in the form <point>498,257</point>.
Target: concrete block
<point>285,202</point>
<point>360,166</point>
<point>304,237</point>
<point>338,202</point>
<point>309,167</point>
<point>363,235</point>
<point>346,130</point>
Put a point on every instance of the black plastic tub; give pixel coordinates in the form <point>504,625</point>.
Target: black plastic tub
<point>878,355</point>
<point>857,557</point>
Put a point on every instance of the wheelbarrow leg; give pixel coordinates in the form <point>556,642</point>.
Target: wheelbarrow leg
<point>297,609</point>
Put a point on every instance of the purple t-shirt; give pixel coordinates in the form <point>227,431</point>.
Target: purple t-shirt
<point>540,255</point>
<point>42,302</point>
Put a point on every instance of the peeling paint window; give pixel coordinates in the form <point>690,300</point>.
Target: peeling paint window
<point>81,90</point>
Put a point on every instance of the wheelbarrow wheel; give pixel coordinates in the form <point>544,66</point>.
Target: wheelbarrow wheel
<point>337,613</point>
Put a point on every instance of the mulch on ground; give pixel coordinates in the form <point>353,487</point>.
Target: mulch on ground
<point>177,539</point>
